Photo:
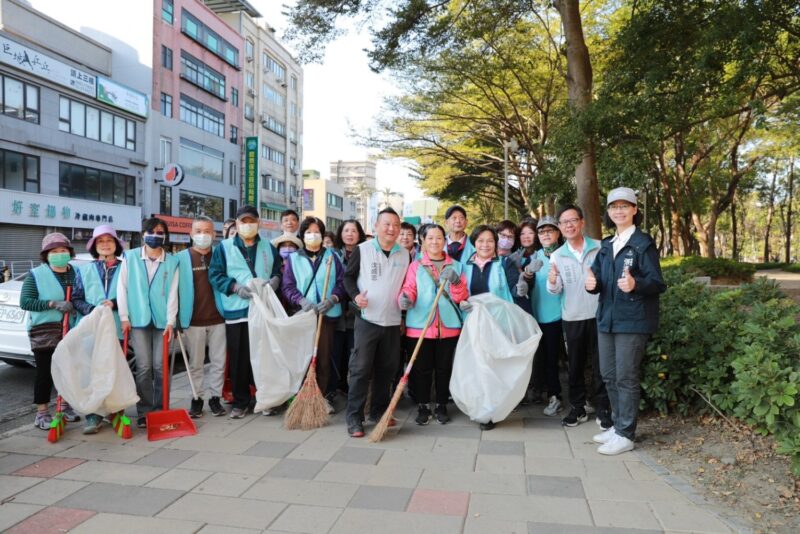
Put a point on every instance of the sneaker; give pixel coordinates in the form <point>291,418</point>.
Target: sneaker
<point>553,407</point>
<point>196,411</point>
<point>588,408</point>
<point>487,426</point>
<point>441,414</point>
<point>43,420</point>
<point>93,424</point>
<point>331,409</point>
<point>141,422</point>
<point>605,436</point>
<point>576,416</point>
<point>356,430</point>
<point>70,415</point>
<point>616,445</point>
<point>238,413</point>
<point>269,411</point>
<point>423,415</point>
<point>604,419</point>
<point>215,407</point>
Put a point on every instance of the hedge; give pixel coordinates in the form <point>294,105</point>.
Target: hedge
<point>713,267</point>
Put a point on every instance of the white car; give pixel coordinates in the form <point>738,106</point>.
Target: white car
<point>15,348</point>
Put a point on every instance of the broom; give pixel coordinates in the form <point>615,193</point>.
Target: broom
<point>121,422</point>
<point>309,409</point>
<point>379,432</point>
<point>58,423</point>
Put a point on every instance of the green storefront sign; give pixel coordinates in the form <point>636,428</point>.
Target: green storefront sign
<point>251,171</point>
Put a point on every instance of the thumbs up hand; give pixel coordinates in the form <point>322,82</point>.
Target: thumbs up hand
<point>552,276</point>
<point>591,282</point>
<point>626,283</point>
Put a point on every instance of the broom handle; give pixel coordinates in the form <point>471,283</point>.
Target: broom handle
<point>322,315</point>
<point>424,330</point>
<point>64,330</point>
<point>165,372</point>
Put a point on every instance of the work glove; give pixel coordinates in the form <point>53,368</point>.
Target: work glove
<point>64,306</point>
<point>306,304</point>
<point>450,275</point>
<point>514,260</point>
<point>522,287</point>
<point>405,302</point>
<point>243,292</point>
<point>275,283</point>
<point>326,305</point>
<point>466,306</point>
<point>534,266</point>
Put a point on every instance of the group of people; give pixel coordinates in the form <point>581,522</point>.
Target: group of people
<point>600,298</point>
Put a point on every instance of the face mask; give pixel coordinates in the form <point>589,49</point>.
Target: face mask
<point>58,259</point>
<point>312,240</point>
<point>248,230</point>
<point>154,241</point>
<point>286,251</point>
<point>505,243</point>
<point>202,240</point>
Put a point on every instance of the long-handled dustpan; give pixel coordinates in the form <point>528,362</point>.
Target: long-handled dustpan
<point>166,423</point>
<point>59,422</point>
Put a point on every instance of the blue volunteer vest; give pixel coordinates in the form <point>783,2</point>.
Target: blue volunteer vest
<point>498,283</point>
<point>302,270</point>
<point>49,289</point>
<point>95,291</point>
<point>449,315</point>
<point>186,288</point>
<point>238,270</point>
<point>147,301</point>
<point>546,306</point>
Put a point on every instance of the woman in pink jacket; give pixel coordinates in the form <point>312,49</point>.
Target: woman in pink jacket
<point>439,345</point>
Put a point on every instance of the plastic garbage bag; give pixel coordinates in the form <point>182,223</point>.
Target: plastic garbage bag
<point>90,371</point>
<point>280,347</point>
<point>493,358</point>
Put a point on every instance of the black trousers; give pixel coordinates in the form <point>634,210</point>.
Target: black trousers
<point>342,348</point>
<point>581,339</point>
<point>376,355</point>
<point>434,355</point>
<point>545,361</point>
<point>43,383</point>
<point>241,372</point>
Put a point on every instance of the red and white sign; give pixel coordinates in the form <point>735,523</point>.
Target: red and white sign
<point>172,174</point>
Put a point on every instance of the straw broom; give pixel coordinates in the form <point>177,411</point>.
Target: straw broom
<point>379,432</point>
<point>121,423</point>
<point>309,410</point>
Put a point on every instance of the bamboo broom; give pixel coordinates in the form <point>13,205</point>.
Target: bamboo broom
<point>379,432</point>
<point>309,410</point>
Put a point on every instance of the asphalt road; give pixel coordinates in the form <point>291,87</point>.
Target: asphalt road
<point>16,396</point>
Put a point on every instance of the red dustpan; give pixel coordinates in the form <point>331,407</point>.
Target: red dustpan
<point>166,423</point>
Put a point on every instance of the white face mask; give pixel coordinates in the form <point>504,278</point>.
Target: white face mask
<point>248,230</point>
<point>202,241</point>
<point>312,239</point>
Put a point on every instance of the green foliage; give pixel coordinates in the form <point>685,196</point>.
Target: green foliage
<point>792,268</point>
<point>713,267</point>
<point>770,265</point>
<point>737,347</point>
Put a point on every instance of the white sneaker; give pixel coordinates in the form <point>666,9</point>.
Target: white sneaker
<point>553,407</point>
<point>331,409</point>
<point>604,436</point>
<point>588,408</point>
<point>617,445</point>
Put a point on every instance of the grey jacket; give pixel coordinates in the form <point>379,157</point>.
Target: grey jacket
<point>576,303</point>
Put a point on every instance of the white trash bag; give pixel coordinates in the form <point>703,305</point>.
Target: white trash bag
<point>280,347</point>
<point>89,370</point>
<point>493,358</point>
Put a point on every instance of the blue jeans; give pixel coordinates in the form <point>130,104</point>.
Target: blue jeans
<point>620,358</point>
<point>148,344</point>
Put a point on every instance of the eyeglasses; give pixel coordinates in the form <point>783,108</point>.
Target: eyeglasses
<point>619,207</point>
<point>546,231</point>
<point>569,222</point>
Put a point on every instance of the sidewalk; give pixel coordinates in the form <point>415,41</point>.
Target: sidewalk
<point>244,476</point>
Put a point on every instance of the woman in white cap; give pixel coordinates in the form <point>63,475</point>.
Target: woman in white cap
<point>96,285</point>
<point>627,276</point>
<point>44,295</point>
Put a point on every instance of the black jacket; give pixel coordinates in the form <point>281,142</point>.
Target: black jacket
<point>635,312</point>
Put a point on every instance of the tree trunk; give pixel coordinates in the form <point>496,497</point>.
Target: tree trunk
<point>789,194</point>
<point>735,251</point>
<point>770,214</point>
<point>579,91</point>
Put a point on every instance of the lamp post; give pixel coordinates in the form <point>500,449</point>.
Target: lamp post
<point>514,146</point>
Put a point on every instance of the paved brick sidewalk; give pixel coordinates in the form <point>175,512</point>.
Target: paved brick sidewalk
<point>240,476</point>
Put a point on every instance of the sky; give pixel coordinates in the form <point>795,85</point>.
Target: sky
<point>341,95</point>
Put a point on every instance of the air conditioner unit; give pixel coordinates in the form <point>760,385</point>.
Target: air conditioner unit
<point>283,84</point>
<point>264,123</point>
<point>265,70</point>
<point>281,81</point>
<point>249,59</point>
<point>251,92</point>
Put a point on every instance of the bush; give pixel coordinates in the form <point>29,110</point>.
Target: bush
<point>737,347</point>
<point>713,267</point>
<point>770,265</point>
<point>792,268</point>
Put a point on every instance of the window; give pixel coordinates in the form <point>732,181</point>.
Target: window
<point>194,204</point>
<point>166,105</point>
<point>167,11</point>
<point>234,135</point>
<point>201,75</point>
<point>332,224</point>
<point>272,154</point>
<point>232,207</point>
<point>294,83</point>
<point>293,109</point>
<point>202,116</point>
<point>273,96</point>
<point>164,152</point>
<point>235,97</point>
<point>335,201</point>
<point>207,37</point>
<point>293,136</point>
<point>278,186</point>
<point>166,57</point>
<point>249,49</point>
<point>165,200</point>
<point>293,191</point>
<point>232,174</point>
<point>19,99</point>
<point>270,214</point>
<point>275,126</point>
<point>19,172</point>
<point>272,64</point>
<point>87,121</point>
<point>77,181</point>
<point>292,164</point>
<point>202,161</point>
<point>248,79</point>
<point>248,112</point>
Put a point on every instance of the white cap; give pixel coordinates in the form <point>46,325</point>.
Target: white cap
<point>622,193</point>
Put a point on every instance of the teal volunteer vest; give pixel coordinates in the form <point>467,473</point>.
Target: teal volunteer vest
<point>49,289</point>
<point>147,301</point>
<point>302,270</point>
<point>95,290</point>
<point>238,270</point>
<point>426,292</point>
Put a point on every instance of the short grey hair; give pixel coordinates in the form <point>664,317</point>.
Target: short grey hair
<point>203,218</point>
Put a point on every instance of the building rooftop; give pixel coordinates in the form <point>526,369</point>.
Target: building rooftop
<point>229,6</point>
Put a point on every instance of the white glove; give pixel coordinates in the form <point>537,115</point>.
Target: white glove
<point>244,292</point>
<point>522,287</point>
<point>466,306</point>
<point>275,283</point>
<point>306,304</point>
<point>534,266</point>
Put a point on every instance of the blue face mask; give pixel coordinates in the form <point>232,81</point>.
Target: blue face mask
<point>286,251</point>
<point>154,241</point>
